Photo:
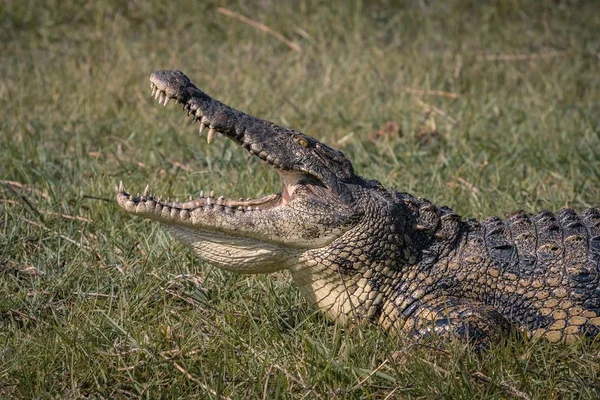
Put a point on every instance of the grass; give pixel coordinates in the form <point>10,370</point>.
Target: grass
<point>95,303</point>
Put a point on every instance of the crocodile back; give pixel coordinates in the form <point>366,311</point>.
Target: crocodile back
<point>541,271</point>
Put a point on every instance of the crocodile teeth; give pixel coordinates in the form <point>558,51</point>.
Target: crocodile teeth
<point>201,128</point>
<point>146,190</point>
<point>161,97</point>
<point>157,94</point>
<point>121,187</point>
<point>167,98</point>
<point>211,194</point>
<point>211,135</point>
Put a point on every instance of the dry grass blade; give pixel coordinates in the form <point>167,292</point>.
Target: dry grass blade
<point>60,235</point>
<point>366,378</point>
<point>52,213</point>
<point>522,57</point>
<point>505,386</point>
<point>421,92</point>
<point>191,378</point>
<point>429,108</point>
<point>260,26</point>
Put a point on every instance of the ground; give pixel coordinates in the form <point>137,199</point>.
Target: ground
<point>488,109</point>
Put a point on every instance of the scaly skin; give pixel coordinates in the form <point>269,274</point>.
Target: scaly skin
<point>359,251</point>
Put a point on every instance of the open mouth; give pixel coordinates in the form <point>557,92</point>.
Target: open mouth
<point>146,202</point>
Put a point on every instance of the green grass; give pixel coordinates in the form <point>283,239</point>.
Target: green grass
<point>108,306</point>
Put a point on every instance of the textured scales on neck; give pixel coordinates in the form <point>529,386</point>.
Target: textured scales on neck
<point>359,251</point>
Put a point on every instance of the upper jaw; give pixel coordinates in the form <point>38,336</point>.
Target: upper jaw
<point>212,114</point>
<point>284,149</point>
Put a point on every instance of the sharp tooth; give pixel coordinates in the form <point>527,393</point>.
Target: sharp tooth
<point>201,128</point>
<point>208,202</point>
<point>161,97</point>
<point>249,208</point>
<point>191,197</point>
<point>121,187</point>
<point>153,92</point>
<point>211,194</point>
<point>158,92</point>
<point>240,208</point>
<point>152,86</point>
<point>146,190</point>
<point>201,194</point>
<point>211,135</point>
<point>220,200</point>
<point>167,98</point>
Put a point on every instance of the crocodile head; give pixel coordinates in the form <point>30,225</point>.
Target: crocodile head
<point>315,207</point>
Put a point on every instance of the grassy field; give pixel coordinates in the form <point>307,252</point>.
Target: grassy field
<point>488,109</point>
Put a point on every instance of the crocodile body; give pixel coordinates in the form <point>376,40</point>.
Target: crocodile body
<point>359,251</point>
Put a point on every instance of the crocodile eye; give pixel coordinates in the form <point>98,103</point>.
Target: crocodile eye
<point>302,142</point>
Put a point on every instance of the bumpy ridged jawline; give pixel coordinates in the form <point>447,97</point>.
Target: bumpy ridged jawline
<point>203,201</point>
<point>149,201</point>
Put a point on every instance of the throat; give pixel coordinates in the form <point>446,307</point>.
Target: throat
<point>344,299</point>
<point>290,183</point>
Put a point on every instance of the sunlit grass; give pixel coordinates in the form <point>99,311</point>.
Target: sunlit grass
<point>96,303</point>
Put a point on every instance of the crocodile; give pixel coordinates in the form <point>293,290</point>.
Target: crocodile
<point>361,252</point>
